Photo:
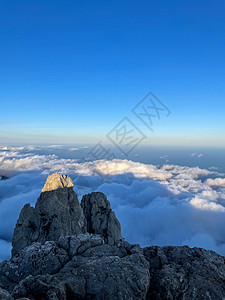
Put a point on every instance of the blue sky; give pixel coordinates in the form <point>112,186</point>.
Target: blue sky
<point>71,70</point>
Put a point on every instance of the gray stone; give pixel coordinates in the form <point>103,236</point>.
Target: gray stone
<point>56,213</point>
<point>84,267</point>
<point>57,181</point>
<point>106,276</point>
<point>4,295</point>
<point>37,259</point>
<point>184,273</point>
<point>95,271</point>
<point>78,244</point>
<point>100,217</point>
<point>40,287</point>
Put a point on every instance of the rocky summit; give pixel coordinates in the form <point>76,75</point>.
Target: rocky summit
<point>63,250</point>
<point>57,213</point>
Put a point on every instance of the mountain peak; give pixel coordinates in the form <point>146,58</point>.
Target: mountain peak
<point>58,213</point>
<point>57,181</point>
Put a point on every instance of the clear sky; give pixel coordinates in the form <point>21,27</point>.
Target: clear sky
<point>71,70</point>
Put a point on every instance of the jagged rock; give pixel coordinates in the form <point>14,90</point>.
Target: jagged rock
<point>78,244</point>
<point>93,270</point>
<point>184,273</point>
<point>41,287</point>
<point>4,295</point>
<point>57,181</point>
<point>36,259</point>
<point>84,267</point>
<point>100,217</point>
<point>56,213</point>
<point>102,275</point>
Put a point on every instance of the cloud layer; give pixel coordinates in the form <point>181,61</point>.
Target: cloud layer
<point>168,205</point>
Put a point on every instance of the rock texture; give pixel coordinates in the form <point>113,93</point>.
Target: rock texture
<point>100,217</point>
<point>4,295</point>
<point>77,267</point>
<point>100,264</point>
<point>57,181</point>
<point>56,213</point>
<point>85,267</point>
<point>184,273</point>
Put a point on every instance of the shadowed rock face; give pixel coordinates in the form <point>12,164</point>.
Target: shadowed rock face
<point>56,213</point>
<point>4,295</point>
<point>183,273</point>
<point>100,217</point>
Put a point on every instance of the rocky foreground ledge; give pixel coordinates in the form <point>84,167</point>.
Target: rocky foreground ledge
<point>64,250</point>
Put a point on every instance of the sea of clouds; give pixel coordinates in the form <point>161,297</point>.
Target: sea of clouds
<point>167,205</point>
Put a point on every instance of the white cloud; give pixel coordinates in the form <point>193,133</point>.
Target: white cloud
<point>197,155</point>
<point>210,194</point>
<point>218,182</point>
<point>55,146</point>
<point>206,204</point>
<point>213,168</point>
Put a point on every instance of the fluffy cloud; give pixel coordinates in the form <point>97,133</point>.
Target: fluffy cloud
<point>196,155</point>
<point>151,214</point>
<point>219,182</point>
<point>168,205</point>
<point>206,204</point>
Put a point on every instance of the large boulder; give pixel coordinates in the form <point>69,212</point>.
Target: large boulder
<point>56,213</point>
<point>100,217</point>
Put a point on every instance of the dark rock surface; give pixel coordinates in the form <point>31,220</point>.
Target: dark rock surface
<point>101,265</point>
<point>77,267</point>
<point>100,217</point>
<point>184,273</point>
<point>4,295</point>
